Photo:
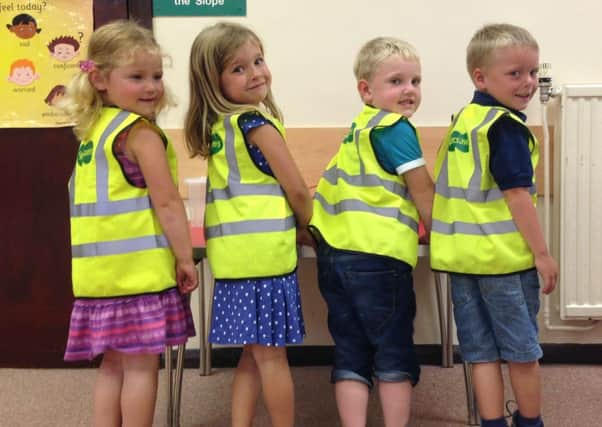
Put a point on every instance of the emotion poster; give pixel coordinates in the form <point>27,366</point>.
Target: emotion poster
<point>42,42</point>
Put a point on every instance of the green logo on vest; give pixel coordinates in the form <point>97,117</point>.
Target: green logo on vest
<point>349,137</point>
<point>84,154</point>
<point>458,140</point>
<point>216,143</point>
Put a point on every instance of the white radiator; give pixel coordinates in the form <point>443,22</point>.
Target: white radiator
<point>580,216</point>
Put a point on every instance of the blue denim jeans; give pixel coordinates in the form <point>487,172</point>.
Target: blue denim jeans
<point>371,310</point>
<point>496,316</point>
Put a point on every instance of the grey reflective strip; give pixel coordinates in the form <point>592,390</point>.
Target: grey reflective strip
<point>235,188</point>
<point>473,193</point>
<point>110,208</point>
<point>500,227</point>
<point>354,205</point>
<point>475,180</point>
<point>356,136</point>
<point>238,189</point>
<point>103,206</point>
<point>102,168</point>
<point>250,226</point>
<point>234,170</point>
<point>116,247</point>
<point>333,174</point>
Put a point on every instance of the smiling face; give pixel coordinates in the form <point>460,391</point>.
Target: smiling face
<point>246,78</point>
<point>510,76</point>
<point>136,86</point>
<point>394,86</point>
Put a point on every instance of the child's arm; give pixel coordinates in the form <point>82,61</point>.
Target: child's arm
<point>145,147</point>
<point>525,217</point>
<point>271,144</point>
<point>422,191</point>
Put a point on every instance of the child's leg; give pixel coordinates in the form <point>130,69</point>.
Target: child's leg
<point>277,384</point>
<point>107,391</point>
<point>396,400</point>
<point>526,385</point>
<point>139,391</point>
<point>352,402</point>
<point>489,389</point>
<point>245,390</point>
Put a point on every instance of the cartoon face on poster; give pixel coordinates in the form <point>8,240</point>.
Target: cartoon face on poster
<point>42,43</point>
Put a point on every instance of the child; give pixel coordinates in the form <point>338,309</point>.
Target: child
<point>485,228</point>
<point>366,213</point>
<point>255,197</point>
<point>132,256</point>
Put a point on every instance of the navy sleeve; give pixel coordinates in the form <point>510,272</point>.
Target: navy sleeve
<point>510,155</point>
<point>248,122</point>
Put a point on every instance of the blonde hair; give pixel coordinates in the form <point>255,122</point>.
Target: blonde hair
<point>211,50</point>
<point>377,50</point>
<point>112,45</point>
<point>492,37</point>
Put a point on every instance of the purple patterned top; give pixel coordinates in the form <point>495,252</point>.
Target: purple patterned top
<point>131,170</point>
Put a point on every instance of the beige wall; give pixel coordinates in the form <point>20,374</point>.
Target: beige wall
<point>310,48</point>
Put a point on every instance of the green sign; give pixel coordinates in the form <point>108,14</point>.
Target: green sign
<point>199,7</point>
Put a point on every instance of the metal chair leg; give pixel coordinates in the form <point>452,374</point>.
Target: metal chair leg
<point>178,385</point>
<point>442,323</point>
<point>205,345</point>
<point>471,401</point>
<point>450,323</point>
<point>168,375</point>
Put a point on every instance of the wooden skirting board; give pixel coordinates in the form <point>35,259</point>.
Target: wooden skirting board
<point>312,148</point>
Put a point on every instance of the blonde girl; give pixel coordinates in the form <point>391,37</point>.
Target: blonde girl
<point>256,201</point>
<point>131,251</point>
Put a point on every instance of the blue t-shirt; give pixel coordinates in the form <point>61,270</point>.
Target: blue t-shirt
<point>397,148</point>
<point>510,157</point>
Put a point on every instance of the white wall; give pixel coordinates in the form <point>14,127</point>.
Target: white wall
<point>311,46</point>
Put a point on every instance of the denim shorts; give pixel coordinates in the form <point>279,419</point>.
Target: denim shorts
<point>496,316</point>
<point>371,310</point>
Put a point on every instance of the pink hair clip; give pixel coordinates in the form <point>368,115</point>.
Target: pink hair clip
<point>87,65</point>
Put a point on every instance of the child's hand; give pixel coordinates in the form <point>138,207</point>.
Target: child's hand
<point>548,270</point>
<point>186,276</point>
<point>305,238</point>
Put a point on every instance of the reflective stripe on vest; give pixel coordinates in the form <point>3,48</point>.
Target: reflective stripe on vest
<point>490,245</point>
<point>117,244</point>
<point>344,208</point>
<point>249,226</point>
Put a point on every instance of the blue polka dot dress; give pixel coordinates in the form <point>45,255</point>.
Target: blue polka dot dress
<point>264,311</point>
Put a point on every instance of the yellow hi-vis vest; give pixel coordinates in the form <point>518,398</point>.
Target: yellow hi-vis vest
<point>359,206</point>
<point>117,245</point>
<point>249,225</point>
<point>473,231</point>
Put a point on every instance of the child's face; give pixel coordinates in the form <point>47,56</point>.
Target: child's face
<point>510,77</point>
<point>63,52</point>
<point>394,86</point>
<point>246,78</point>
<point>23,76</point>
<point>24,31</point>
<point>136,86</point>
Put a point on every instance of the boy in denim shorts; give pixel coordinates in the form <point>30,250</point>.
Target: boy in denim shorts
<point>366,213</point>
<point>485,230</point>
